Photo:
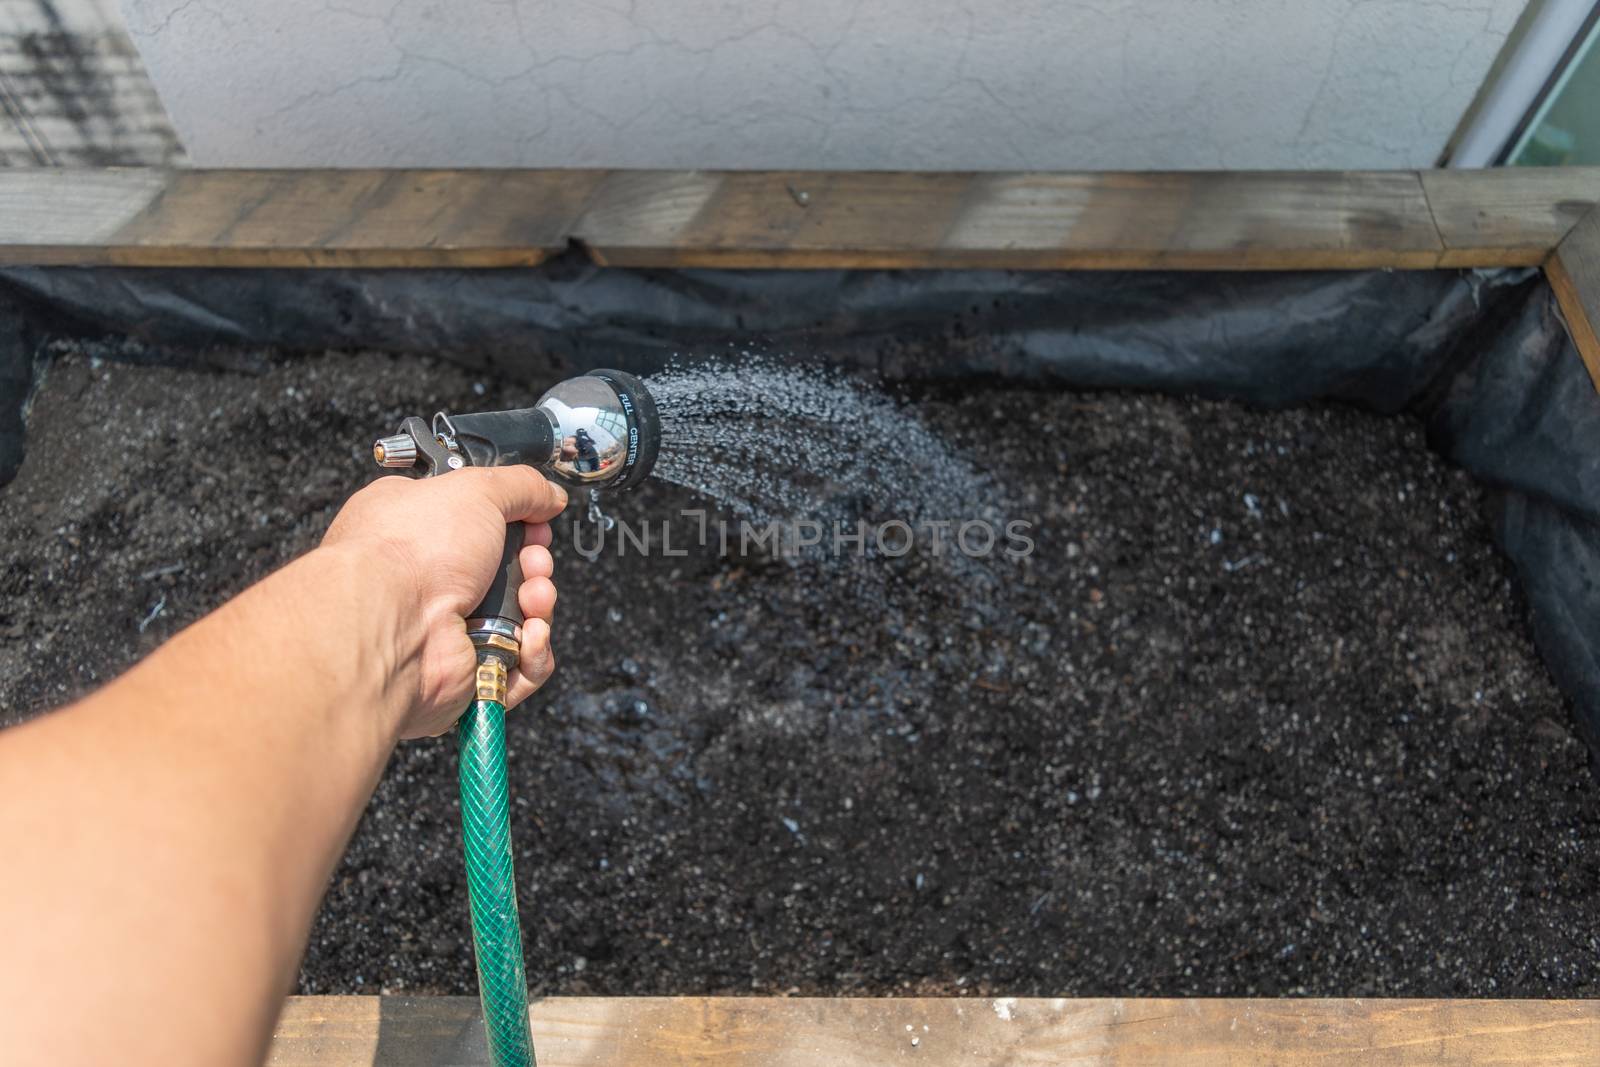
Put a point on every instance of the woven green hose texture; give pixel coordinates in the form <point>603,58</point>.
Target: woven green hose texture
<point>491,883</point>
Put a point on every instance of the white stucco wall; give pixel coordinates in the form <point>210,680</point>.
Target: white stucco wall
<point>936,84</point>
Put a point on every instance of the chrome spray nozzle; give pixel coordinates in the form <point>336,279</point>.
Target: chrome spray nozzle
<point>598,430</point>
<point>607,432</point>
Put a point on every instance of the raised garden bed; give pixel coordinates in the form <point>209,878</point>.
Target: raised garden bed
<point>1265,712</point>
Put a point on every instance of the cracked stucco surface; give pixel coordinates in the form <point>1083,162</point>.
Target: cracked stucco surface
<point>914,84</point>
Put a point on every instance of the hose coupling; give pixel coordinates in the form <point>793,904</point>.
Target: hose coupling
<point>498,642</point>
<point>492,681</point>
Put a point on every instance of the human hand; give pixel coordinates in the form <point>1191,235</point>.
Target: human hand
<point>440,539</point>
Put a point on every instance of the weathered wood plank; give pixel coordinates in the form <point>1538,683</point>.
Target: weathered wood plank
<point>360,218</point>
<point>1197,221</point>
<point>73,211</point>
<point>1508,216</point>
<point>856,1032</point>
<point>290,218</point>
<point>1574,274</point>
<point>1242,220</point>
<point>655,207</point>
<point>1216,221</point>
<point>773,219</point>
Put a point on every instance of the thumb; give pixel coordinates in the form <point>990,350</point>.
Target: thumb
<point>521,493</point>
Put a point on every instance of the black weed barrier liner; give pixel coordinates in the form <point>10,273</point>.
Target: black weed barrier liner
<point>1481,356</point>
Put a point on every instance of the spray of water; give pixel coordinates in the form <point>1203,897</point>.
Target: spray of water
<point>775,443</point>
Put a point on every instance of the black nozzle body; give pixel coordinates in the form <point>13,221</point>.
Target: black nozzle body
<point>505,438</point>
<point>599,430</point>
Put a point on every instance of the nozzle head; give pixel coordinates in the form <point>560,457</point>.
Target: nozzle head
<point>607,430</point>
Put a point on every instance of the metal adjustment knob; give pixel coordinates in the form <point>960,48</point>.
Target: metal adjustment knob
<point>397,451</point>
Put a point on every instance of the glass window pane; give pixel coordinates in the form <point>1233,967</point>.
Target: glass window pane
<point>1566,129</point>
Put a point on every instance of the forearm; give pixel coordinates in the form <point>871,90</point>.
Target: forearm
<point>198,805</point>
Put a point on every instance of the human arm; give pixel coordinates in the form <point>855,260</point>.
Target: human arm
<point>164,842</point>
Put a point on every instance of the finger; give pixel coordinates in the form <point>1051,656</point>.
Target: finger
<point>538,533</point>
<point>537,598</point>
<point>535,664</point>
<point>537,562</point>
<point>521,493</point>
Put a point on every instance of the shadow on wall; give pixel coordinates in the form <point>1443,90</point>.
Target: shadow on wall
<point>74,91</point>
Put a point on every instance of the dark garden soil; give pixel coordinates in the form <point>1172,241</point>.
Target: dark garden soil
<point>1260,714</point>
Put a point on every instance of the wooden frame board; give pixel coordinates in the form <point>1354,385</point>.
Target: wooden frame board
<point>1574,273</point>
<point>943,1032</point>
<point>1223,220</point>
<point>1229,220</point>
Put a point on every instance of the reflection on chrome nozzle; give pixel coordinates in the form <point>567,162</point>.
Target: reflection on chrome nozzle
<point>607,432</point>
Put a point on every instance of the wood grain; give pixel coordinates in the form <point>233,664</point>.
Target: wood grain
<point>856,1032</point>
<point>72,210</point>
<point>367,218</point>
<point>1244,220</point>
<point>284,218</point>
<point>767,219</point>
<point>1219,221</point>
<point>1574,274</point>
<point>1241,220</point>
<point>1508,216</point>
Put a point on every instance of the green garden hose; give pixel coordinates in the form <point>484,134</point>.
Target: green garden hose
<point>492,885</point>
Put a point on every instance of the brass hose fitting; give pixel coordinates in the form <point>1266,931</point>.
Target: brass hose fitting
<point>491,679</point>
<point>498,642</point>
